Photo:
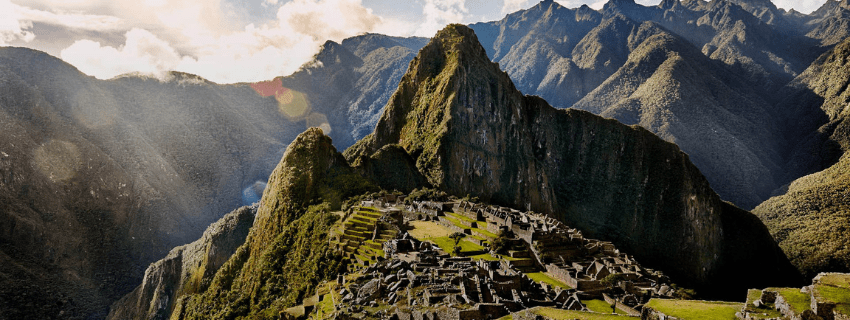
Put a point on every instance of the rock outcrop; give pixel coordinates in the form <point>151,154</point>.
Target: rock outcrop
<point>471,132</point>
<point>186,269</point>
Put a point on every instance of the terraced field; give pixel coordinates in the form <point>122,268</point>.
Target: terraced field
<point>360,241</point>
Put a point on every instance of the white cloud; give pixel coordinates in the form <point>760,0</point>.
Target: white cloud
<point>439,13</point>
<point>73,20</point>
<point>143,52</point>
<point>12,25</point>
<point>804,6</point>
<point>513,5</point>
<point>180,41</point>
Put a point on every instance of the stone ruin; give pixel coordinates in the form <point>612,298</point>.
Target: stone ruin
<point>421,281</point>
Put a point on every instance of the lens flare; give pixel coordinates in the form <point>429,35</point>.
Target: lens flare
<point>319,120</point>
<point>292,104</point>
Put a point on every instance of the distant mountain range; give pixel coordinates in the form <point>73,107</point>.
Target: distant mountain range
<point>100,178</point>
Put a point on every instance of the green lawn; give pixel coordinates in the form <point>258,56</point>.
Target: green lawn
<point>836,288</point>
<point>461,217</point>
<point>485,256</point>
<point>560,314</point>
<point>457,223</point>
<point>447,244</point>
<point>600,306</point>
<point>799,301</point>
<point>545,278</point>
<point>696,310</point>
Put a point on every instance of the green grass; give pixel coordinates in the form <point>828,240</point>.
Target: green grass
<point>448,245</point>
<point>457,223</point>
<point>485,233</point>
<point>461,217</point>
<point>767,312</point>
<point>696,310</point>
<point>600,306</point>
<point>836,288</point>
<point>560,314</point>
<point>325,308</point>
<point>545,278</point>
<point>836,280</point>
<point>799,301</point>
<point>485,256</point>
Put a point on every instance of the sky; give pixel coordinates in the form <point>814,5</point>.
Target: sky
<point>228,41</point>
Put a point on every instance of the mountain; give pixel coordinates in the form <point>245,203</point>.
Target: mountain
<point>348,83</point>
<point>101,178</point>
<point>472,132</point>
<point>287,252</point>
<point>719,86</point>
<point>810,217</point>
<point>186,269</point>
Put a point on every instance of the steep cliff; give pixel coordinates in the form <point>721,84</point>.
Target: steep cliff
<point>186,269</point>
<point>471,132</point>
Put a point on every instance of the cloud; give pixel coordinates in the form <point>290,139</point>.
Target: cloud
<point>513,5</point>
<point>439,13</point>
<point>142,52</point>
<point>181,42</point>
<point>77,21</point>
<point>804,6</point>
<point>12,25</point>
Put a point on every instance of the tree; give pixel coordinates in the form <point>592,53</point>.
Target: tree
<point>501,244</point>
<point>457,236</point>
<point>612,279</point>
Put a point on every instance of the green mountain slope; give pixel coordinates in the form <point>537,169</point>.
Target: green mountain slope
<point>287,252</point>
<point>810,217</point>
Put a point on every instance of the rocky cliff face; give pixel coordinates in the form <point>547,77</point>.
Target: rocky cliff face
<point>186,269</point>
<point>471,132</point>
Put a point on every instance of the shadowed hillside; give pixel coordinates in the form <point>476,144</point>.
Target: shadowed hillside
<point>100,178</point>
<point>811,216</point>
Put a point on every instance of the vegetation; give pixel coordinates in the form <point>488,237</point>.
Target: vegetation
<point>798,301</point>
<point>612,279</point>
<point>424,194</point>
<point>597,305</point>
<point>696,310</point>
<point>287,253</point>
<point>545,278</point>
<point>560,314</point>
<point>502,243</point>
<point>767,311</point>
<point>811,222</point>
<point>457,236</point>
